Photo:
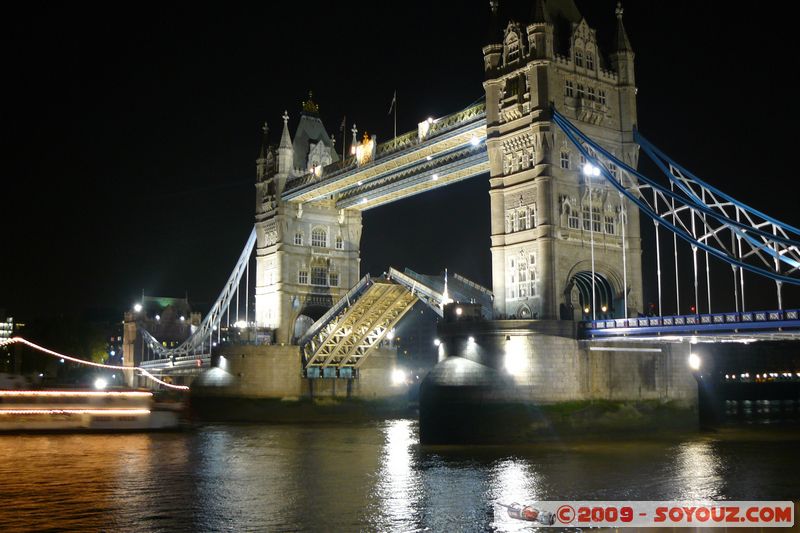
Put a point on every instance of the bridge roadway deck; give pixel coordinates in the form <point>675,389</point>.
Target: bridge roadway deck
<point>743,327</point>
<point>452,149</point>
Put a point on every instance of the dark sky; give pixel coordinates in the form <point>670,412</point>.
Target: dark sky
<point>129,133</point>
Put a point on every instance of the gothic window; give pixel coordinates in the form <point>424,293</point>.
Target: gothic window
<point>298,238</point>
<point>532,156</point>
<point>522,277</point>
<point>579,59</point>
<point>339,242</point>
<point>319,276</point>
<point>507,163</point>
<point>601,96</point>
<point>334,279</point>
<point>590,90</point>
<point>580,91</point>
<point>589,61</point>
<point>569,88</point>
<point>512,47</point>
<point>319,238</point>
<point>515,163</point>
<point>522,218</point>
<point>611,225</point>
<point>572,219</point>
<point>594,225</point>
<point>523,159</point>
<point>596,220</point>
<point>509,223</point>
<point>302,277</point>
<point>564,159</point>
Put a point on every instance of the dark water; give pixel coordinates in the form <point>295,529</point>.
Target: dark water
<point>358,477</point>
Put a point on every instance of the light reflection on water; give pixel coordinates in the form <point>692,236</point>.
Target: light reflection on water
<point>372,477</point>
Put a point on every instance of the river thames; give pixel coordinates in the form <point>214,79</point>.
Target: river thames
<point>369,477</point>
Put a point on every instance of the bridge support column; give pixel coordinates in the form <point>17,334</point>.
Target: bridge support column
<point>129,337</point>
<point>525,381</point>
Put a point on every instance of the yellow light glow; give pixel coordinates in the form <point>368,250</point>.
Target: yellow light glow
<point>364,150</point>
<point>694,361</point>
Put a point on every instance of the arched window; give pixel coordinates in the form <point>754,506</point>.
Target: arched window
<point>522,276</point>
<point>512,47</point>
<point>589,61</point>
<point>572,218</point>
<point>339,242</point>
<point>319,276</point>
<point>319,238</point>
<point>578,58</point>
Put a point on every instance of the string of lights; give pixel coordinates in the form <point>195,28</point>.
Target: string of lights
<point>42,349</point>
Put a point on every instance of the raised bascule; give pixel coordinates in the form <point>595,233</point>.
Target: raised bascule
<point>561,326</point>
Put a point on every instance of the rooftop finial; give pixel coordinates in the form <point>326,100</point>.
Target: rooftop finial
<point>309,106</point>
<point>621,42</point>
<point>494,26</point>
<point>285,118</point>
<point>265,128</point>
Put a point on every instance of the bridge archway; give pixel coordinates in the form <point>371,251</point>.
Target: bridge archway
<point>305,318</point>
<point>578,295</point>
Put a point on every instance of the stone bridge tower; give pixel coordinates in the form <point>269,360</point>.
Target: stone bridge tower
<point>544,211</point>
<point>307,255</point>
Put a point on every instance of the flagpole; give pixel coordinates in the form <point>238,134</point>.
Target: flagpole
<point>395,119</point>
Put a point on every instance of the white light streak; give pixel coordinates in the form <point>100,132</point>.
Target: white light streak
<point>42,349</point>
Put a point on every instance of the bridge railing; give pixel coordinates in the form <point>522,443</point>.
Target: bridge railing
<point>744,320</point>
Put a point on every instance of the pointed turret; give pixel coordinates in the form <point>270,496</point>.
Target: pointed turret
<point>621,42</point>
<point>494,35</point>
<point>285,151</point>
<point>540,14</point>
<point>263,154</point>
<point>622,55</point>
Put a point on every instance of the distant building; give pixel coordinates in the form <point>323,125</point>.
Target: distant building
<point>9,360</point>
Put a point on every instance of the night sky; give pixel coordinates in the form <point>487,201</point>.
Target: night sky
<point>129,134</point>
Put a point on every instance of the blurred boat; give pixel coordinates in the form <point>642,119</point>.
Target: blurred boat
<point>84,410</point>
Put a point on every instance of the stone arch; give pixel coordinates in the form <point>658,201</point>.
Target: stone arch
<point>578,292</point>
<point>305,318</point>
<point>524,311</point>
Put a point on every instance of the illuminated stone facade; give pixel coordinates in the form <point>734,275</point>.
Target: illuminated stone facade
<point>542,217</point>
<point>307,254</point>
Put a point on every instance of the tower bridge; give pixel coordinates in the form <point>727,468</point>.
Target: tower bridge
<point>557,136</point>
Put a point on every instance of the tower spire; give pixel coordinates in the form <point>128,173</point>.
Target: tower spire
<point>286,139</point>
<point>540,14</point>
<point>494,22</point>
<point>621,42</point>
<point>285,149</point>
